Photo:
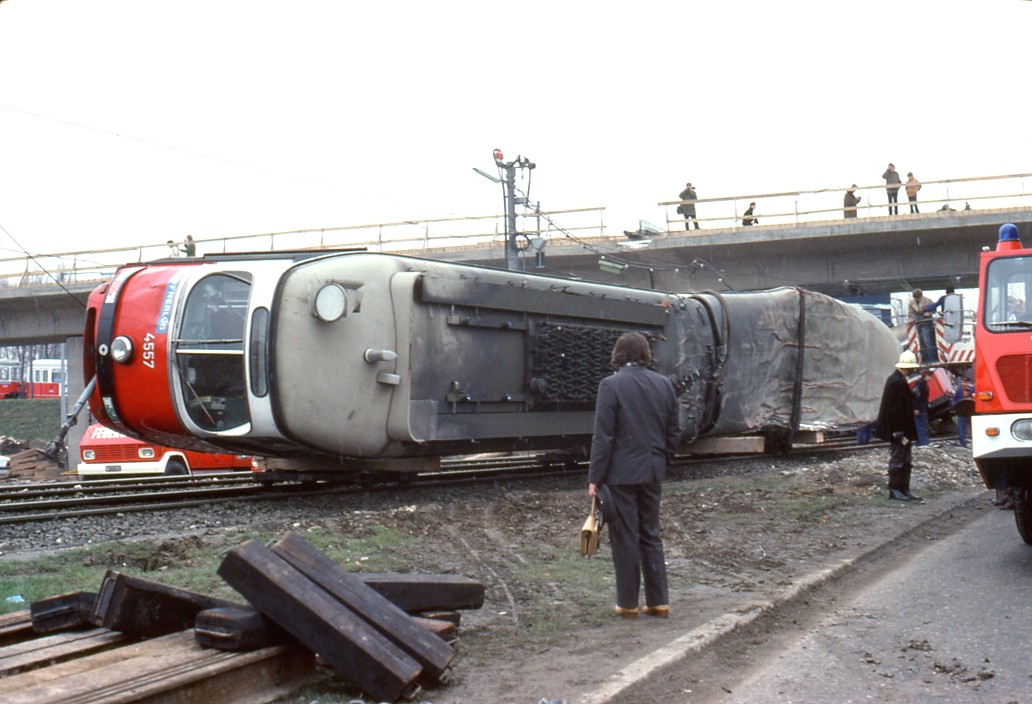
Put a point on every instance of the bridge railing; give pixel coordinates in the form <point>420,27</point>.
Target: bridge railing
<point>796,207</point>
<point>407,236</point>
<point>425,237</point>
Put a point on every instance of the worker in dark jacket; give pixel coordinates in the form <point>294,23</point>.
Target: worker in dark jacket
<point>748,218</point>
<point>892,183</point>
<point>896,425</point>
<point>688,209</point>
<point>635,438</point>
<point>849,202</point>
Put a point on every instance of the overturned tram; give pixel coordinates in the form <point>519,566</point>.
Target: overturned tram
<point>348,360</point>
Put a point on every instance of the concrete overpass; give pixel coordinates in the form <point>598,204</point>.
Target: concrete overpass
<point>40,314</point>
<point>874,255</point>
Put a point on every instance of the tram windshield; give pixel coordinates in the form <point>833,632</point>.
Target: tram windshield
<point>1007,291</point>
<point>209,351</point>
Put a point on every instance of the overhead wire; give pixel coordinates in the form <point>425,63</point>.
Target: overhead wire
<point>42,268</point>
<point>178,149</point>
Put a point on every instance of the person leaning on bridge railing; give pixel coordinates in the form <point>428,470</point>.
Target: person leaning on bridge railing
<point>748,218</point>
<point>849,202</point>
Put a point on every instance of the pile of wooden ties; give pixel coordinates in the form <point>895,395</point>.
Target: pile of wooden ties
<point>136,640</point>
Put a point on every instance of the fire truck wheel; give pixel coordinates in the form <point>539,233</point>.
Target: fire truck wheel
<point>175,468</point>
<point>1023,513</point>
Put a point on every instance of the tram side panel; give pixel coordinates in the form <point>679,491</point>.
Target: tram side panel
<point>486,359</point>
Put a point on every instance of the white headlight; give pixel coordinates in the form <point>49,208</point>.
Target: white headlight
<point>330,302</point>
<point>1022,430</point>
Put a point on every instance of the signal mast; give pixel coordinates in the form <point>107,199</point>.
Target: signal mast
<point>508,181</point>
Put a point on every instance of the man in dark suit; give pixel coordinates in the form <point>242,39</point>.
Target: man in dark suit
<point>896,425</point>
<point>635,438</point>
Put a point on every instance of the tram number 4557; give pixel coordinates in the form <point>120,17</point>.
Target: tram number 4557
<point>148,350</point>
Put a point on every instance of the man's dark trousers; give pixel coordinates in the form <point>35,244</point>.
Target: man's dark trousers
<point>636,531</point>
<point>900,464</point>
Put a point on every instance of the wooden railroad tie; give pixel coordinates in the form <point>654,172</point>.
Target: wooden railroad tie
<point>316,618</point>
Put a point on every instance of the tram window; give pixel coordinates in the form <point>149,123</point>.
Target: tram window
<point>214,390</point>
<point>258,352</point>
<point>210,351</point>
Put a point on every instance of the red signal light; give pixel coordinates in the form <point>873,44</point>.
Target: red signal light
<point>498,155</point>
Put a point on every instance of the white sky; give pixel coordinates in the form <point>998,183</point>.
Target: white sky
<point>134,121</point>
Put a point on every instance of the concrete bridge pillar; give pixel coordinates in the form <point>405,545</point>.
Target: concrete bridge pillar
<point>75,385</point>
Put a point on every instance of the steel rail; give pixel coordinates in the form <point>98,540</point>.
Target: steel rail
<point>455,472</point>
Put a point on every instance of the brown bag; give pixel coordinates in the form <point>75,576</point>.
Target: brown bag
<point>589,531</point>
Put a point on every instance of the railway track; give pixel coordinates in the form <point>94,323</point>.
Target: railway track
<point>29,503</point>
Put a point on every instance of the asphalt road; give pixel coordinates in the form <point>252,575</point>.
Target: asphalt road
<point>948,623</point>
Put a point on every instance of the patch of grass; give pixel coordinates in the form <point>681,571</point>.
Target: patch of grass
<point>381,550</point>
<point>182,565</point>
<point>26,419</point>
<point>570,592</point>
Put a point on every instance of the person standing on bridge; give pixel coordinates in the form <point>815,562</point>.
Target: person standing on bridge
<point>849,202</point>
<point>748,218</point>
<point>189,246</point>
<point>636,434</point>
<point>912,186</point>
<point>892,181</point>
<point>688,209</point>
<point>896,425</point>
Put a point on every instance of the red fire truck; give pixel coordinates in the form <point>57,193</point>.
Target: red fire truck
<point>1001,428</point>
<point>107,453</point>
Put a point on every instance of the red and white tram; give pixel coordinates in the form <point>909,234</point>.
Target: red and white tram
<point>345,357</point>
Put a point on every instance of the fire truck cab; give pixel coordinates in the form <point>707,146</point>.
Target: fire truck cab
<point>107,453</point>
<point>1001,427</point>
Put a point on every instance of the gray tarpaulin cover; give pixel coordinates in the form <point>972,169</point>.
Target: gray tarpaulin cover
<point>758,378</point>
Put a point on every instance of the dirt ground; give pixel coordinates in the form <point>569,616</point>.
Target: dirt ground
<point>546,630</point>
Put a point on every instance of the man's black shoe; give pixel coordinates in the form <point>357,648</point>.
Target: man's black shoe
<point>898,495</point>
<point>912,497</point>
